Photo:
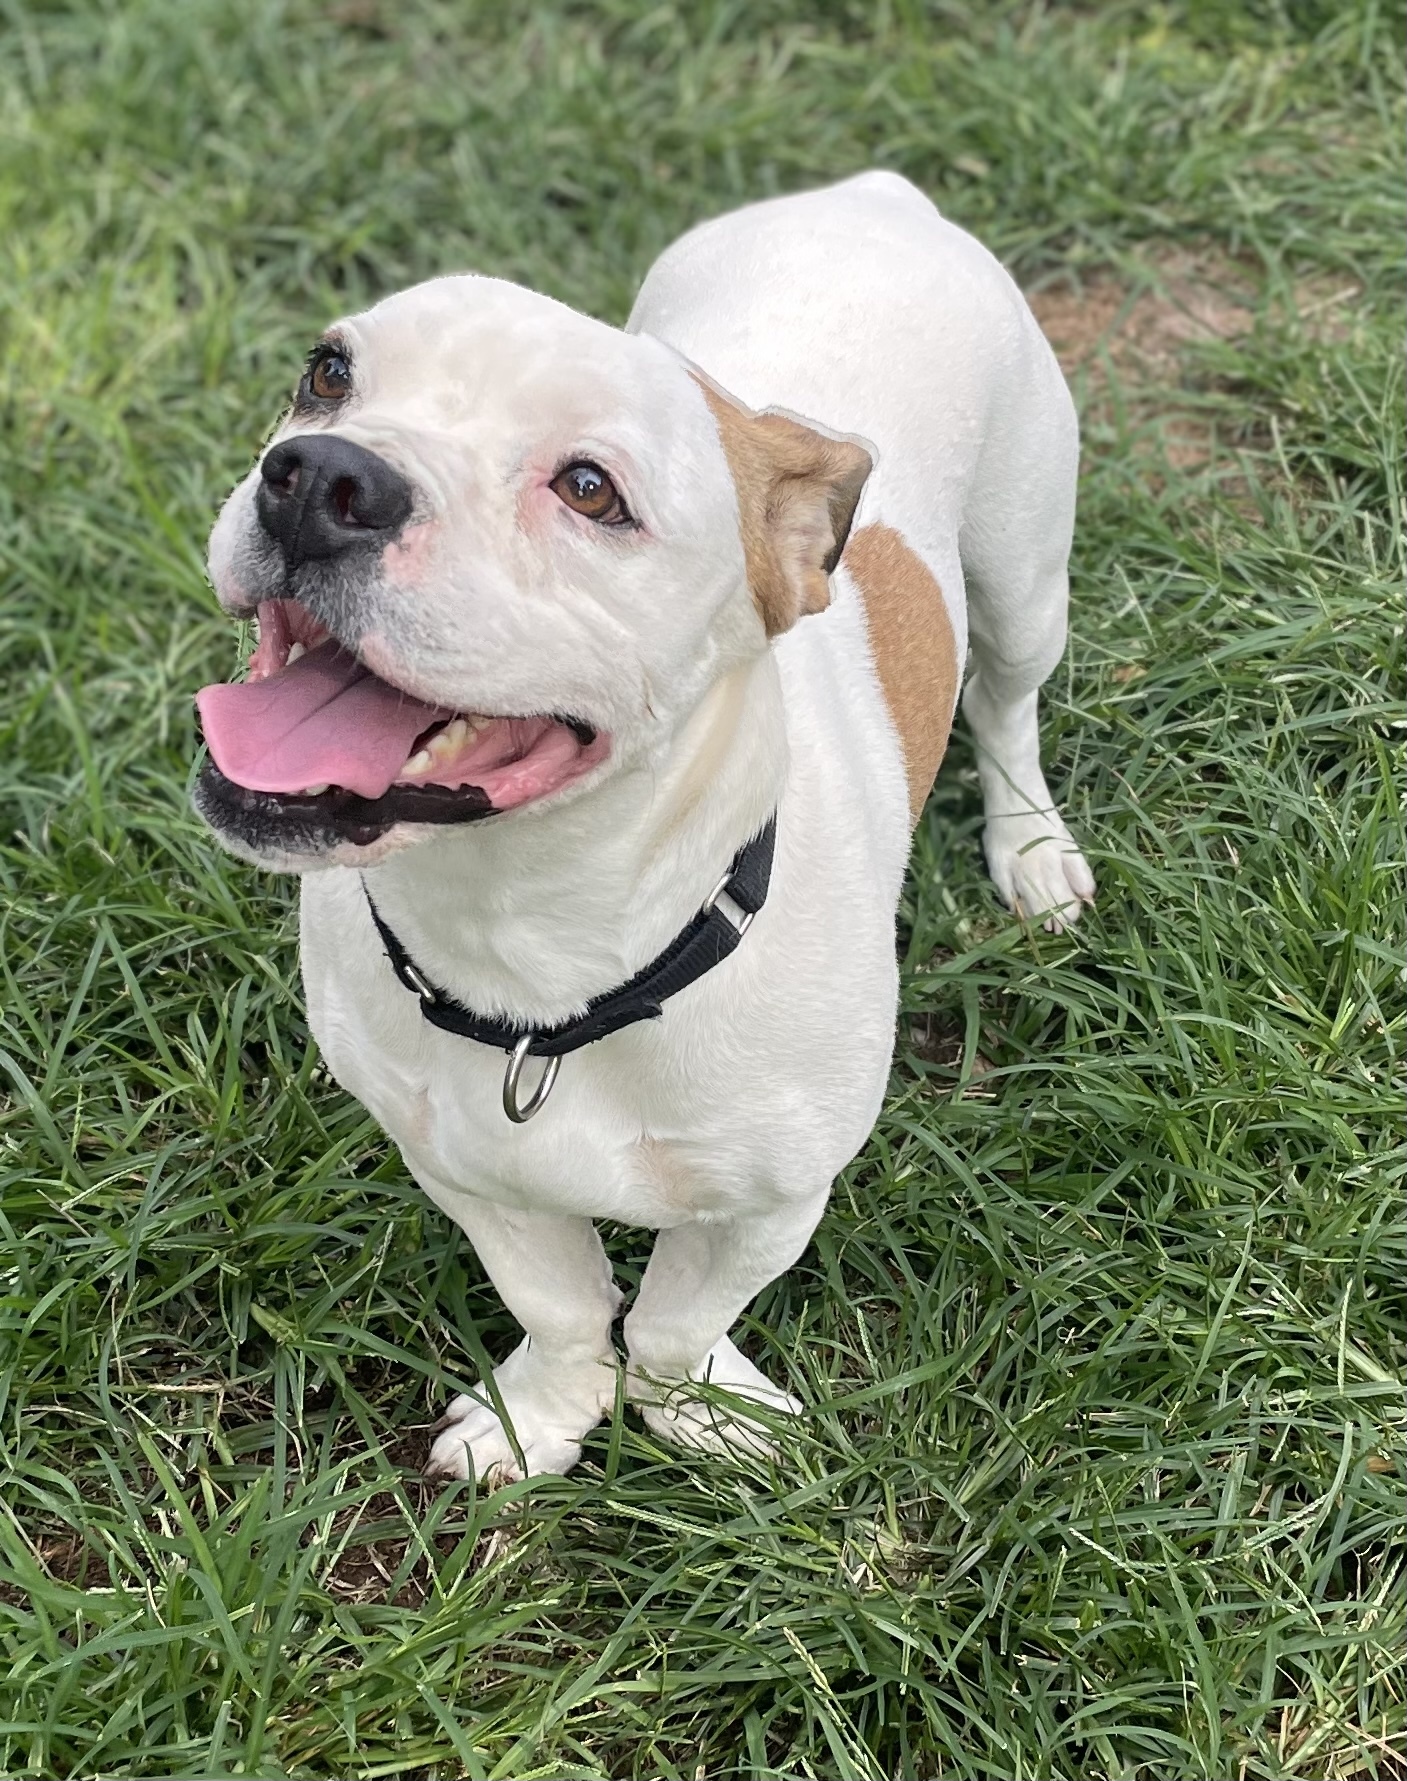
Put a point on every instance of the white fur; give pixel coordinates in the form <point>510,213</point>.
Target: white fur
<point>723,1124</point>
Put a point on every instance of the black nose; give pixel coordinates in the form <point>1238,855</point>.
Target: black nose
<point>321,496</point>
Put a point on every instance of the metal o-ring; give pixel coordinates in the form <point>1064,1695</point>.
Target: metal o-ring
<point>520,1112</point>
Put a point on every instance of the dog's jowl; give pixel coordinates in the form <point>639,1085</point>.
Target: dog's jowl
<point>600,677</point>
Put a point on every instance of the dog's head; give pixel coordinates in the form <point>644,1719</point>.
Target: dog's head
<point>496,551</point>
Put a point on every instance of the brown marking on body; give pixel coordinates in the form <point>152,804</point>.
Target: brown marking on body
<point>797,491</point>
<point>915,655</point>
<point>666,1171</point>
<point>684,1177</point>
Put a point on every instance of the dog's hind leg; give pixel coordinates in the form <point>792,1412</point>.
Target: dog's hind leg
<point>1015,546</point>
<point>554,1388</point>
<point>699,1277</point>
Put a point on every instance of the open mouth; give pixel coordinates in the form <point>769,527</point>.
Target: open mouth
<point>312,735</point>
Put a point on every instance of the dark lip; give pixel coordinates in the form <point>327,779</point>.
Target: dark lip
<point>311,825</point>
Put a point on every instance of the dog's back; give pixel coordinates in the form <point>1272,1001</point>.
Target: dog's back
<point>862,308</point>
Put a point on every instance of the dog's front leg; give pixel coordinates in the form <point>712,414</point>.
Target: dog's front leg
<point>553,1275</point>
<point>700,1276</point>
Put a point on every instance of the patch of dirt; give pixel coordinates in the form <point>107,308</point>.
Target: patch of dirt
<point>371,1541</point>
<point>1119,335</point>
<point>940,1042</point>
<point>366,1568</point>
<point>936,1041</point>
<point>1123,338</point>
<point>1139,326</point>
<point>65,1557</point>
<point>368,16</point>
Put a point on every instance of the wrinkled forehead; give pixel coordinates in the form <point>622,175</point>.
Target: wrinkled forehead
<point>476,353</point>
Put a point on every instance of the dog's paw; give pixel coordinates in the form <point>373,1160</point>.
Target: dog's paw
<point>1037,869</point>
<point>551,1410</point>
<point>673,1410</point>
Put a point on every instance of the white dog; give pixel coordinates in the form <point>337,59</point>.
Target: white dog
<point>578,650</point>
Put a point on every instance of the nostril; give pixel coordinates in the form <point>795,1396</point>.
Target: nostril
<point>343,496</point>
<point>282,470</point>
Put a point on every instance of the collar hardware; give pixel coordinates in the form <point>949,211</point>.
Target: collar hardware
<point>409,975</point>
<point>520,1112</point>
<point>719,899</point>
<point>710,937</point>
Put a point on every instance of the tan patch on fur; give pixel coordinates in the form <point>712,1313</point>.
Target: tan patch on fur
<point>914,651</point>
<point>797,491</point>
<point>663,1166</point>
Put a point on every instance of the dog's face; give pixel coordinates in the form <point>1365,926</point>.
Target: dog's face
<point>497,551</point>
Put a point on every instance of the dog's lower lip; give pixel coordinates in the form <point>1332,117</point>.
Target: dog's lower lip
<point>312,819</point>
<point>335,815</point>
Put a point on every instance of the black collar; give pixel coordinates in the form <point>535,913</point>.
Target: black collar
<point>706,942</point>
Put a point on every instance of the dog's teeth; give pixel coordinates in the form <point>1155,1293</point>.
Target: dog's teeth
<point>314,791</point>
<point>445,744</point>
<point>294,651</point>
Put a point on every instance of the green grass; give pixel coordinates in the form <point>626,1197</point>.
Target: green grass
<point>1104,1471</point>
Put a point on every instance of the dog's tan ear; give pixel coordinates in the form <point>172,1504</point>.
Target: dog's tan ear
<point>797,494</point>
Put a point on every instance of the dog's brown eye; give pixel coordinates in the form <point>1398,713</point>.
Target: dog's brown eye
<point>329,375</point>
<point>588,490</point>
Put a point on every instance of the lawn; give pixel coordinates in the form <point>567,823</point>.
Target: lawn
<point>1104,1466</point>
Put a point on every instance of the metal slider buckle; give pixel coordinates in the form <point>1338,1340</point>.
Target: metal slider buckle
<point>520,1112</point>
<point>416,984</point>
<point>711,903</point>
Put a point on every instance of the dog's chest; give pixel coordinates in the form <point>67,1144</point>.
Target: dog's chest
<point>590,1152</point>
<point>623,1134</point>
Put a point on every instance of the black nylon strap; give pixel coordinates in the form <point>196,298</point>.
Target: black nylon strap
<point>706,942</point>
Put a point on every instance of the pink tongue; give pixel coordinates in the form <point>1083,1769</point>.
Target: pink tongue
<point>322,720</point>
